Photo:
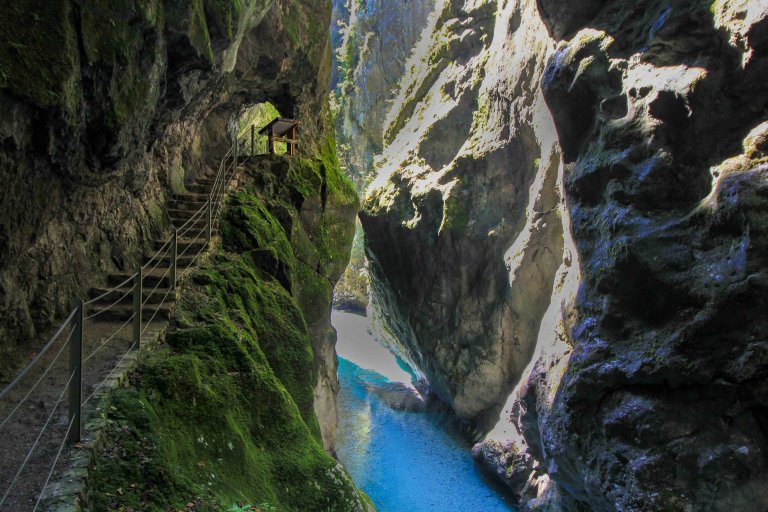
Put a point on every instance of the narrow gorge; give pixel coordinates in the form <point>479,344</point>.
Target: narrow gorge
<point>564,232</point>
<point>454,255</point>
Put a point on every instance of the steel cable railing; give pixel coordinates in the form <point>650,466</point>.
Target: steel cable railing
<point>167,246</point>
<point>37,441</point>
<point>104,381</point>
<point>110,338</point>
<point>204,218</point>
<point>162,249</point>
<point>39,380</point>
<point>160,281</point>
<point>55,462</point>
<point>40,354</point>
<point>118,301</point>
<point>111,290</point>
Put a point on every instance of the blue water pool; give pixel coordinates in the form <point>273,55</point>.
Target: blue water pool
<point>407,457</point>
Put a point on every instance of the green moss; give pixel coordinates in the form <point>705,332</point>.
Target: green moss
<point>223,413</point>
<point>39,57</point>
<point>199,35</point>
<point>332,236</point>
<point>300,24</point>
<point>251,229</point>
<point>223,15</point>
<point>313,293</point>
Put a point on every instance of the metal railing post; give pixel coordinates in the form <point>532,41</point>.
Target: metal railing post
<point>209,227</point>
<point>174,257</point>
<point>138,294</point>
<point>76,369</point>
<point>253,140</point>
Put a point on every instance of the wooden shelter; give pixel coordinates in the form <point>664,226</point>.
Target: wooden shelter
<point>281,129</point>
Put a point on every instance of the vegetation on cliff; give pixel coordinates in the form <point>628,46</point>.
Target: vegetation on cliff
<point>222,412</point>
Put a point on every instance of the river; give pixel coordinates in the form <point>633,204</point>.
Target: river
<point>408,457</point>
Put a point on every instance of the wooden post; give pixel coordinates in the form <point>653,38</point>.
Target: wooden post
<point>138,296</point>
<point>289,141</point>
<point>271,142</point>
<point>253,140</point>
<point>174,257</point>
<point>76,369</point>
<point>210,222</point>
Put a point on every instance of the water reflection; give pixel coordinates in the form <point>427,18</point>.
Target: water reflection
<point>356,344</point>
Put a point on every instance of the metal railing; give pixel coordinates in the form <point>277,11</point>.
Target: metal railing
<point>200,225</point>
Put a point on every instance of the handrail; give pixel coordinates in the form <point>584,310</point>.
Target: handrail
<point>134,284</point>
<point>40,354</point>
<point>111,290</point>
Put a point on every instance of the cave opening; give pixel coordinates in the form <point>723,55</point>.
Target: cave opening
<point>258,115</point>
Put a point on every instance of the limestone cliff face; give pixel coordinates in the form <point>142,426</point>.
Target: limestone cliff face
<point>463,227</point>
<point>372,42</point>
<point>107,107</point>
<point>568,226</point>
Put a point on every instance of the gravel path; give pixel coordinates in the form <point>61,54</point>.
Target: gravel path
<point>19,434</point>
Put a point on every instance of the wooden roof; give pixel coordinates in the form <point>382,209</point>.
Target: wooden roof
<point>279,126</point>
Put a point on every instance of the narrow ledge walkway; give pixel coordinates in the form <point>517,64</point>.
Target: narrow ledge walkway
<point>39,469</point>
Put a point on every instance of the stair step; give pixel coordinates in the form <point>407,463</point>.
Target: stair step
<point>124,312</point>
<point>176,204</point>
<point>178,213</point>
<point>198,188</point>
<point>160,295</point>
<point>165,261</point>
<point>159,276</point>
<point>195,227</point>
<point>183,243</point>
<point>191,197</point>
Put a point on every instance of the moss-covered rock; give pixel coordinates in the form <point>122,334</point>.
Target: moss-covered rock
<point>223,413</point>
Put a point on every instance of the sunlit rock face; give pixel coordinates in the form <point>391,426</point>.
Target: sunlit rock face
<point>108,107</point>
<point>569,226</point>
<point>372,41</point>
<point>463,224</point>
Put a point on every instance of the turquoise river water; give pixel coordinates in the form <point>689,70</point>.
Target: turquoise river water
<point>408,457</point>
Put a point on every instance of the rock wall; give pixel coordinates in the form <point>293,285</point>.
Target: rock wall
<point>660,113</point>
<point>104,109</point>
<point>463,227</point>
<point>372,41</point>
<point>567,235</point>
<point>107,108</point>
